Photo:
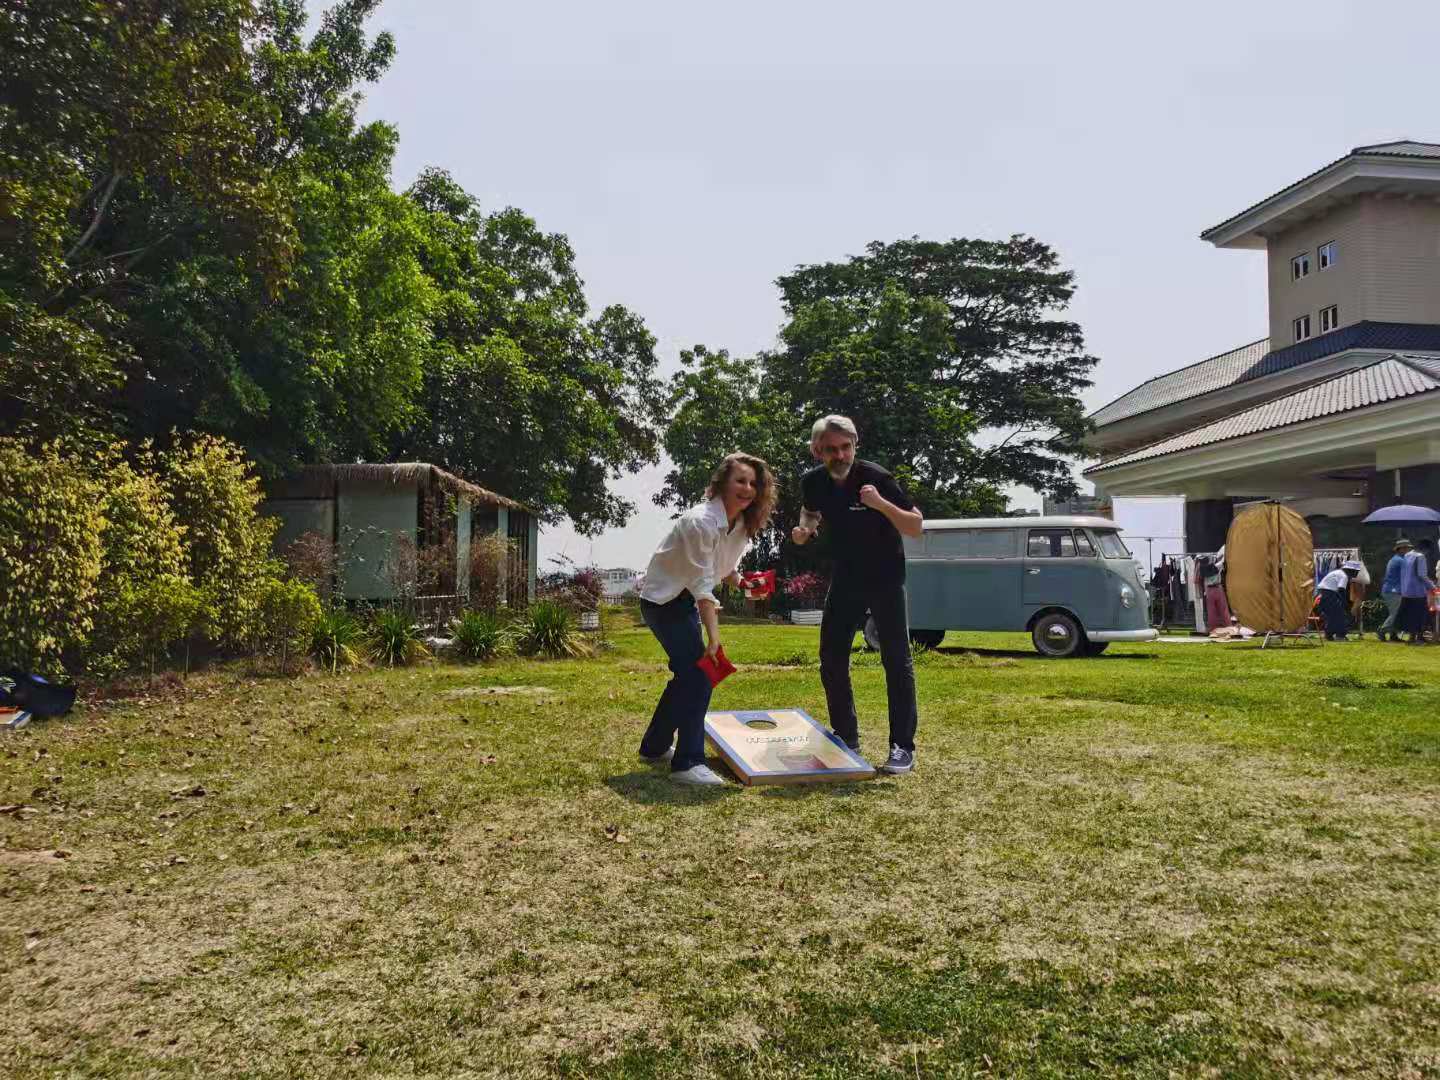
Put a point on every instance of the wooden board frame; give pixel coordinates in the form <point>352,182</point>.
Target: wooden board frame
<point>742,748</point>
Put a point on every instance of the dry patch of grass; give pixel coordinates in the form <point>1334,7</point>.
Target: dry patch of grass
<point>465,871</point>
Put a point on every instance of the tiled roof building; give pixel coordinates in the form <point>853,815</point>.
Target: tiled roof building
<point>1335,408</point>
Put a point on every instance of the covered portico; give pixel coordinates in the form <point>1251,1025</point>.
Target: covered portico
<point>1334,450</point>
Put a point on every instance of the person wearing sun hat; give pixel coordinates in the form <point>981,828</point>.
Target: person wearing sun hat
<point>1390,591</point>
<point>1331,593</point>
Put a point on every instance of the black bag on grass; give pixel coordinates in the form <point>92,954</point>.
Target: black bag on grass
<point>22,690</point>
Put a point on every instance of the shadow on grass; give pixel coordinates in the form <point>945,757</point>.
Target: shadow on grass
<point>653,787</point>
<point>846,789</point>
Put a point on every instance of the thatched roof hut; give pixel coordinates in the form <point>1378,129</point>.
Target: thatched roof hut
<point>320,481</point>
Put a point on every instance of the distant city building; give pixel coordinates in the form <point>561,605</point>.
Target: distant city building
<point>1087,505</point>
<point>618,582</point>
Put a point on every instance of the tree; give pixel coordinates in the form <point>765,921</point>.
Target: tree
<point>948,355</point>
<point>951,360</point>
<point>721,404</point>
<point>197,236</point>
<point>209,240</point>
<point>119,124</point>
<point>524,392</point>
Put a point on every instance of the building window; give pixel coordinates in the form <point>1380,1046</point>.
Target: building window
<point>1327,255</point>
<point>1329,318</point>
<point>1302,328</point>
<point>1300,266</point>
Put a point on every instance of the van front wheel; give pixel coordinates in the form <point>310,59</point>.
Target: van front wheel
<point>1057,635</point>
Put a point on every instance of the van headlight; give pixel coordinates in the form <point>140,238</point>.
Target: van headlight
<point>1127,596</point>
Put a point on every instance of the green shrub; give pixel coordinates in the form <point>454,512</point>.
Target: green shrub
<point>51,526</point>
<point>1374,612</point>
<point>142,570</point>
<point>165,610</point>
<point>216,498</point>
<point>394,639</point>
<point>337,638</point>
<point>548,629</point>
<point>480,635</point>
<point>286,614</point>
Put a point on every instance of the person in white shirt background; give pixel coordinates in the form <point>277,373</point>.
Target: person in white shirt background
<point>1334,587</point>
<point>677,597</point>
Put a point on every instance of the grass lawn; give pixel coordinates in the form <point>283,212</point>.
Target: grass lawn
<point>1170,860</point>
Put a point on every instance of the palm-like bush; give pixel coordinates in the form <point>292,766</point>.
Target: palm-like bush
<point>337,639</point>
<point>548,629</point>
<point>395,639</point>
<point>480,635</point>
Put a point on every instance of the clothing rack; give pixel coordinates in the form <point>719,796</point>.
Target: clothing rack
<point>1186,593</point>
<point>1329,558</point>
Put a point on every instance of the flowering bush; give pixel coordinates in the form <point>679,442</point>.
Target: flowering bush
<point>806,589</point>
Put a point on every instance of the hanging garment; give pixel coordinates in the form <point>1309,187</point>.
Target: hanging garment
<point>1217,609</point>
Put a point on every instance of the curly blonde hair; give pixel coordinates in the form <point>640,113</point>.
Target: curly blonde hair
<point>757,514</point>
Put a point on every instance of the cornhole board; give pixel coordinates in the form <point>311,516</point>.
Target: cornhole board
<point>782,746</point>
<point>12,719</point>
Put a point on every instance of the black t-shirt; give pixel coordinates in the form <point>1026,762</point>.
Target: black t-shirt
<point>867,548</point>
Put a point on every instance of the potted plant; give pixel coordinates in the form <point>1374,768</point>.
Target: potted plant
<point>806,593</point>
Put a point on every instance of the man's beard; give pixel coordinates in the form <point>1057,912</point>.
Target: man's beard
<point>838,470</point>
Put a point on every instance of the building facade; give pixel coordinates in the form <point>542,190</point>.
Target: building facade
<point>1337,410</point>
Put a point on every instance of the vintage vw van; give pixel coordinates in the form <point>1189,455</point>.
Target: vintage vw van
<point>1069,581</point>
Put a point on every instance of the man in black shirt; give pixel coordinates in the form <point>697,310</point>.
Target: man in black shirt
<point>865,512</point>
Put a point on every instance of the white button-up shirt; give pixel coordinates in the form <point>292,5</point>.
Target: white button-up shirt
<point>700,550</point>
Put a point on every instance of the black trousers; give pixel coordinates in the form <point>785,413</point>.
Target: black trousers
<point>845,608</point>
<point>1332,609</point>
<point>1414,613</point>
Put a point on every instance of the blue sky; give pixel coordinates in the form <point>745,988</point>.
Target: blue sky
<point>693,155</point>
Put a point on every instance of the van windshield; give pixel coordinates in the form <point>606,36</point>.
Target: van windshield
<point>1112,545</point>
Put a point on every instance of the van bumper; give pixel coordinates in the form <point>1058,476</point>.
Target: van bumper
<point>1123,635</point>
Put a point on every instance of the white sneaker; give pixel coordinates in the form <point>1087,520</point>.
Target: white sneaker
<point>699,775</point>
<point>659,759</point>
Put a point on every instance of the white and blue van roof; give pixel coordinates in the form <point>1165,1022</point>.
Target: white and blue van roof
<point>1054,521</point>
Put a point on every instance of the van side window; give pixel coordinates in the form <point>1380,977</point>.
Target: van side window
<point>1051,544</point>
<point>952,542</point>
<point>1083,545</point>
<point>994,543</point>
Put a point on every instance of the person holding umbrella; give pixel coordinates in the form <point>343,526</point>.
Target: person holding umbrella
<point>1415,586</point>
<point>1390,591</point>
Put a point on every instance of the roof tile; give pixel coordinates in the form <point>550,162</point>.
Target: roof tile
<point>1386,380</point>
<point>1255,361</point>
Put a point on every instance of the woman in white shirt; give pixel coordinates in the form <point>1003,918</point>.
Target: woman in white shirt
<point>678,596</point>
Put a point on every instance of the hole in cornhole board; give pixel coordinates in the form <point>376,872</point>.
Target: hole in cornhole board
<point>782,746</point>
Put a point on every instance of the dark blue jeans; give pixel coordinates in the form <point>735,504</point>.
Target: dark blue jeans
<point>682,706</point>
<point>845,608</point>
